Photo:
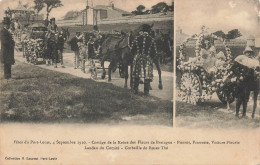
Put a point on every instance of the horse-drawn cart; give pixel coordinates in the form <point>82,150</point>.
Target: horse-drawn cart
<point>34,45</point>
<point>206,72</point>
<point>93,50</point>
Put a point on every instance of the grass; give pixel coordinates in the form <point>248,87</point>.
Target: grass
<point>38,95</point>
<point>207,115</point>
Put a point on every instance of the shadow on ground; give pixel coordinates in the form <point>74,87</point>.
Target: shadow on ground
<point>210,115</point>
<point>38,95</point>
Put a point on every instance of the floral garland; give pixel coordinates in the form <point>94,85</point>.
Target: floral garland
<point>209,84</point>
<point>141,56</point>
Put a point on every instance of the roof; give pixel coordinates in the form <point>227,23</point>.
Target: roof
<point>250,37</point>
<point>103,7</point>
<point>20,7</point>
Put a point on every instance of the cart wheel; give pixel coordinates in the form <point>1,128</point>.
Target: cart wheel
<point>226,93</point>
<point>190,90</point>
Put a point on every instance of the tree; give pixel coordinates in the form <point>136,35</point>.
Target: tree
<point>171,7</point>
<point>38,5</point>
<point>26,5</point>
<point>160,7</point>
<point>140,8</point>
<point>51,4</point>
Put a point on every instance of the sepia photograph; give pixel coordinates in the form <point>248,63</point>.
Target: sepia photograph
<point>87,61</point>
<point>218,64</point>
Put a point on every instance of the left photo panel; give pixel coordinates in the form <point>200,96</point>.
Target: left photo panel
<point>87,62</point>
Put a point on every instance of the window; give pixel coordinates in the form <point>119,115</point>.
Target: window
<point>103,14</point>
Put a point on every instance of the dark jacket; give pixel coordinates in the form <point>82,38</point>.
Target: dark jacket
<point>74,43</point>
<point>7,47</point>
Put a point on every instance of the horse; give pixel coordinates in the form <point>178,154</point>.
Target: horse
<point>115,48</point>
<point>164,45</point>
<point>66,33</point>
<point>255,88</point>
<point>245,80</point>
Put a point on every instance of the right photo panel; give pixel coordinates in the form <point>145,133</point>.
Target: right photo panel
<point>217,63</point>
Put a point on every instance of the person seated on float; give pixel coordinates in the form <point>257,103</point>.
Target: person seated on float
<point>52,28</point>
<point>208,59</point>
<point>220,60</point>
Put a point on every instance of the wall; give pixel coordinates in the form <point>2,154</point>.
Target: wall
<point>137,19</point>
<point>118,19</point>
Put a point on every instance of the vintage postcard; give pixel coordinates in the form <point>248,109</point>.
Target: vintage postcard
<point>90,66</point>
<point>129,82</point>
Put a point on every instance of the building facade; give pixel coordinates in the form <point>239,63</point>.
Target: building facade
<point>94,15</point>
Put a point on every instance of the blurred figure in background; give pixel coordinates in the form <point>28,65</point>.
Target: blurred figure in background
<point>75,48</point>
<point>7,48</point>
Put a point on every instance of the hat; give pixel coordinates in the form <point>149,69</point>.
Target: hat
<point>52,19</point>
<point>146,28</point>
<point>95,28</point>
<point>248,49</point>
<point>6,21</point>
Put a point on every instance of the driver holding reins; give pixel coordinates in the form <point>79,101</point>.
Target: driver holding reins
<point>52,36</point>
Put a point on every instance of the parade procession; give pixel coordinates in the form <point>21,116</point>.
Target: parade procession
<point>43,43</point>
<point>231,76</point>
<point>216,67</point>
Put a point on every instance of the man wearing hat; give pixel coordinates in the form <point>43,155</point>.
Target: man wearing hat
<point>52,40</point>
<point>7,48</point>
<point>243,76</point>
<point>96,32</point>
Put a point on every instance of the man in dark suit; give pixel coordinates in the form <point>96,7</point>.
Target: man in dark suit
<point>74,47</point>
<point>7,48</point>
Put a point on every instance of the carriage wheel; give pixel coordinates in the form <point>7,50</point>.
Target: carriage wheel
<point>226,93</point>
<point>190,90</point>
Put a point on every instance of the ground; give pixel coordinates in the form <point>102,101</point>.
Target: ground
<point>213,114</point>
<point>35,94</point>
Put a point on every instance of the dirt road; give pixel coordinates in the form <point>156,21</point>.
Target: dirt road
<point>167,77</point>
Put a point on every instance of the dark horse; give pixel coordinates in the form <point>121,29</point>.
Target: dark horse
<point>66,33</point>
<point>117,49</point>
<point>246,80</point>
<point>164,47</point>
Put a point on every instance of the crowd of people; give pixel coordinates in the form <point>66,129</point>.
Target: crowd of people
<point>12,28</point>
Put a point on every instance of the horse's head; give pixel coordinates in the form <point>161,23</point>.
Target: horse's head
<point>163,41</point>
<point>62,35</point>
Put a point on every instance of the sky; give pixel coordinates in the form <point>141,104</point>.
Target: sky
<point>223,15</point>
<point>127,5</point>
